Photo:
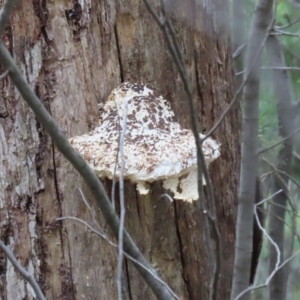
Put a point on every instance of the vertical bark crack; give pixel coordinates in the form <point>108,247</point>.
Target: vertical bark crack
<point>137,203</point>
<point>199,89</point>
<point>181,251</point>
<point>128,279</point>
<point>60,230</point>
<point>71,273</point>
<point>119,53</point>
<point>55,176</point>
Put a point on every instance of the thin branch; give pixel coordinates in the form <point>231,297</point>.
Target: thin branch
<point>263,201</point>
<point>239,73</point>
<point>282,181</point>
<point>251,288</point>
<point>240,89</point>
<point>239,50</point>
<point>39,294</point>
<point>122,203</point>
<point>86,202</point>
<point>281,68</point>
<point>291,211</point>
<point>294,56</point>
<point>92,211</point>
<point>288,25</point>
<point>4,74</point>
<point>153,13</point>
<point>279,143</point>
<point>286,224</point>
<point>167,196</point>
<point>267,236</point>
<point>82,167</point>
<point>280,32</point>
<point>105,237</point>
<point>271,68</point>
<point>278,265</point>
<point>296,155</point>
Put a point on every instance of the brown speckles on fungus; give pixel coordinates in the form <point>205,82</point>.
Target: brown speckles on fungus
<point>155,147</point>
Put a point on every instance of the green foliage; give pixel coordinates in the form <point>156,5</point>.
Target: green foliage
<point>287,13</point>
<point>268,135</point>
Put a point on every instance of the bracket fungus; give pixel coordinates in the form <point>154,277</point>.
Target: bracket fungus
<point>155,146</point>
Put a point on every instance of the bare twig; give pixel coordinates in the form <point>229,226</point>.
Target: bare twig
<point>280,176</point>
<point>239,73</point>
<point>263,201</point>
<point>294,216</point>
<point>286,224</point>
<point>105,237</point>
<point>167,196</point>
<point>39,294</point>
<point>291,211</point>
<point>294,56</point>
<point>122,203</point>
<point>281,68</point>
<point>239,50</point>
<point>271,68</point>
<point>92,211</point>
<point>278,266</point>
<point>279,143</point>
<point>270,277</point>
<point>202,169</point>
<point>281,32</point>
<point>296,155</point>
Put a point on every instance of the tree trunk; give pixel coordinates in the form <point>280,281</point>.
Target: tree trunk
<point>73,53</point>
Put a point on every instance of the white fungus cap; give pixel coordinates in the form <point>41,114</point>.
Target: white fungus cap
<point>155,146</point>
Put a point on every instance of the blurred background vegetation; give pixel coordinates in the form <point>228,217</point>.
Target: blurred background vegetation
<point>286,14</point>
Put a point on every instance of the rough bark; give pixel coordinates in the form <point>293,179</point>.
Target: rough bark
<point>73,55</point>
